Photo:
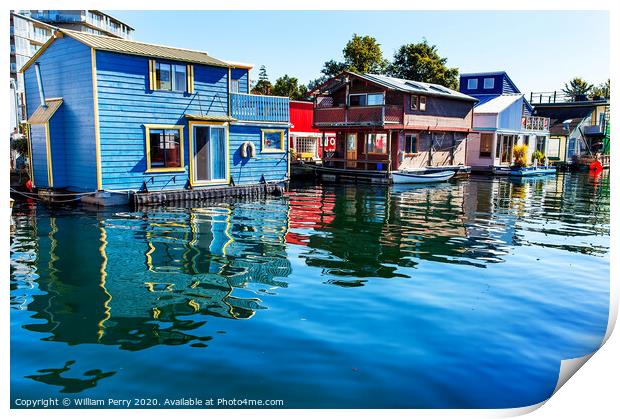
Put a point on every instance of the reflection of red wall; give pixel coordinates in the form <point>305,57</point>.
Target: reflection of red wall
<point>309,211</point>
<point>302,115</point>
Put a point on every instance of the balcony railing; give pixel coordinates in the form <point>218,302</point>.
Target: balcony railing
<point>542,98</point>
<point>358,115</point>
<point>535,123</point>
<point>259,108</point>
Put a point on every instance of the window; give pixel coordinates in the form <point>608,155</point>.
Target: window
<point>164,148</point>
<point>486,143</point>
<point>273,141</point>
<point>526,140</point>
<point>411,144</point>
<point>171,77</point>
<point>234,86</point>
<point>540,143</point>
<point>365,99</point>
<point>357,100</point>
<point>376,143</point>
<point>414,103</point>
<point>422,103</point>
<point>472,84</point>
<point>375,99</point>
<point>489,82</point>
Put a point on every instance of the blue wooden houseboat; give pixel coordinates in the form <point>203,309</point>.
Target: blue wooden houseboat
<point>124,119</point>
<point>502,119</point>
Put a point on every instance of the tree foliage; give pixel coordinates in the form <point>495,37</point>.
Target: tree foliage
<point>362,54</point>
<point>289,86</point>
<point>602,90</point>
<point>577,88</point>
<point>263,85</point>
<point>422,62</point>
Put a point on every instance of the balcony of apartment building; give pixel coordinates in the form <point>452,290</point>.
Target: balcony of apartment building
<point>258,108</point>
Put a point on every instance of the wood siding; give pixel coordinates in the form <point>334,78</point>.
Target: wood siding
<point>126,104</point>
<point>240,74</point>
<point>66,72</point>
<point>273,166</point>
<point>440,112</point>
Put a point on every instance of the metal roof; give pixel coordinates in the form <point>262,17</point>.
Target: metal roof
<point>201,117</point>
<point>497,104</point>
<point>125,46</point>
<point>43,114</point>
<point>411,86</point>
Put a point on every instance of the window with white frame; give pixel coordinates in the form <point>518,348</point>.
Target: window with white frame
<point>234,85</point>
<point>422,104</point>
<point>472,84</point>
<point>365,99</point>
<point>489,82</point>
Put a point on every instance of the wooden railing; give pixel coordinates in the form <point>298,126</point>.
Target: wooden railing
<point>259,108</point>
<point>535,123</point>
<point>358,115</point>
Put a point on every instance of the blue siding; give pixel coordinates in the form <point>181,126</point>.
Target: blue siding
<point>273,166</point>
<point>502,84</point>
<point>510,118</point>
<point>126,105</point>
<point>66,72</point>
<point>39,155</point>
<point>241,74</point>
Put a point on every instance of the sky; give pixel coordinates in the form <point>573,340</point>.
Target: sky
<point>540,50</point>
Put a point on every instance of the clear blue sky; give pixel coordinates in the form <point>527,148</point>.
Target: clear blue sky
<point>539,50</point>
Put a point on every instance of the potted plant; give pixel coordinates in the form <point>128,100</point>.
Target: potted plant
<point>519,153</point>
<point>538,157</point>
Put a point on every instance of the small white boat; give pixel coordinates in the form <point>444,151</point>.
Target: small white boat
<point>413,177</point>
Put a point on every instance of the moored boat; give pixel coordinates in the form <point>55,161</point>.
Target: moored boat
<point>412,177</point>
<point>533,171</point>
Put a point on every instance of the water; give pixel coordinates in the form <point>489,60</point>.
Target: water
<point>462,295</point>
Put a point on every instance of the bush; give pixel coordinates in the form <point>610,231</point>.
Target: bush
<point>519,153</point>
<point>538,155</point>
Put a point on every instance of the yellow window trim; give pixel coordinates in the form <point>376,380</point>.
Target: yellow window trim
<point>147,130</point>
<point>264,149</point>
<point>189,75</point>
<point>192,182</point>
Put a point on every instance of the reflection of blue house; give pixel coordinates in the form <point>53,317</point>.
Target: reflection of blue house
<point>109,114</point>
<point>502,118</point>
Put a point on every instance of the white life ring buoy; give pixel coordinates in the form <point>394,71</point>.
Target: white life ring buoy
<point>248,149</point>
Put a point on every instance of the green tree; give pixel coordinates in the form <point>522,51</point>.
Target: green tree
<point>422,62</point>
<point>263,85</point>
<point>577,87</point>
<point>362,54</point>
<point>289,86</point>
<point>602,90</point>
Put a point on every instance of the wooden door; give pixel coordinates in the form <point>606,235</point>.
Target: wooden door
<point>351,150</point>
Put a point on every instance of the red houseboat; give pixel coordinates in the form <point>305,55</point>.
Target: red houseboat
<point>385,124</point>
<point>304,138</point>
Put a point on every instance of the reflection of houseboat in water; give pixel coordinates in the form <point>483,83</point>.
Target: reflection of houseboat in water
<point>371,232</point>
<point>155,272</point>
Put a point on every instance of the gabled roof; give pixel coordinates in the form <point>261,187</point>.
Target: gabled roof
<point>125,46</point>
<point>497,103</point>
<point>411,86</point>
<point>44,113</point>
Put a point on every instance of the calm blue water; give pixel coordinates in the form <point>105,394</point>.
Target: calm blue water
<point>463,295</point>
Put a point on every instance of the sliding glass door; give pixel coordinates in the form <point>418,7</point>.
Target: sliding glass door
<point>210,154</point>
